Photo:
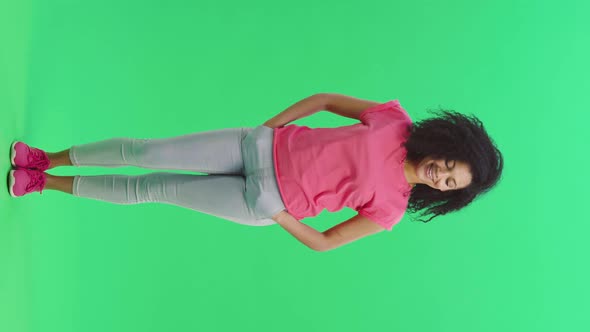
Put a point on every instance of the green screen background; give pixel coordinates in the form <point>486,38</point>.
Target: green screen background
<point>74,72</point>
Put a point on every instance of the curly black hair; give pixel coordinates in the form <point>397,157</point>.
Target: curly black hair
<point>452,136</point>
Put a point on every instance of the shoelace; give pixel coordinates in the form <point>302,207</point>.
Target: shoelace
<point>37,181</point>
<point>38,159</point>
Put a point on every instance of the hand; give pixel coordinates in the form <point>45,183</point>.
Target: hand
<point>279,216</point>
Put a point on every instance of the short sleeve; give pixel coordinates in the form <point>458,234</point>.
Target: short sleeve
<point>385,217</point>
<point>391,109</point>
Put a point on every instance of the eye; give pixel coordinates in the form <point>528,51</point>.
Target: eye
<point>448,185</point>
<point>447,164</point>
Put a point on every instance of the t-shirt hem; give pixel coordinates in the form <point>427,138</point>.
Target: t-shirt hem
<point>274,159</point>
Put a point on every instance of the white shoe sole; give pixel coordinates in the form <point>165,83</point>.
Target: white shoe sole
<point>11,183</point>
<point>13,153</point>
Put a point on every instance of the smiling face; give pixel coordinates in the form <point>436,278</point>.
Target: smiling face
<point>443,174</point>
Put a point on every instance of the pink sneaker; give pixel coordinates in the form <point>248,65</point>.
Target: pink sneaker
<point>24,156</point>
<point>25,181</point>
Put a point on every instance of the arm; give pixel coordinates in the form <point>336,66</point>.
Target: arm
<point>350,230</point>
<point>302,108</point>
<point>305,234</point>
<point>346,106</point>
<point>336,103</point>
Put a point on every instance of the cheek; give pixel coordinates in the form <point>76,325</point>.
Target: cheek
<point>467,178</point>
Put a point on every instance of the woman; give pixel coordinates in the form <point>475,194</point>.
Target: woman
<point>277,174</point>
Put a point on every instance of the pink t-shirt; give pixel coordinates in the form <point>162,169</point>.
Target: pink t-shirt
<point>358,166</point>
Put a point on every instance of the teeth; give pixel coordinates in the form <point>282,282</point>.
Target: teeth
<point>432,172</point>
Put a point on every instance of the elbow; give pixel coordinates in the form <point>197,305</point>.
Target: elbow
<point>319,249</point>
<point>321,98</point>
<point>322,246</point>
<point>324,249</point>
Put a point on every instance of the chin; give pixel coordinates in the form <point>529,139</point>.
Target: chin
<point>421,171</point>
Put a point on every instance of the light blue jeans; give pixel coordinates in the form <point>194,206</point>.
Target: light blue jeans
<point>240,184</point>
